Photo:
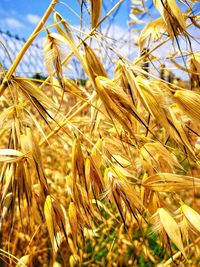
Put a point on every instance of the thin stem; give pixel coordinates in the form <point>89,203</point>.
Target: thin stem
<point>60,126</point>
<point>178,254</point>
<point>26,46</point>
<point>67,58</point>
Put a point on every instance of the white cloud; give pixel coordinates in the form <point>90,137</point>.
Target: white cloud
<point>33,19</point>
<point>13,23</point>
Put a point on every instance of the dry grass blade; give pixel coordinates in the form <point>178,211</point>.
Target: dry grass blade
<point>169,182</point>
<point>95,11</point>
<point>10,155</point>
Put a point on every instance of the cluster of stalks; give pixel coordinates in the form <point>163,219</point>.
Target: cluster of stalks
<point>106,173</point>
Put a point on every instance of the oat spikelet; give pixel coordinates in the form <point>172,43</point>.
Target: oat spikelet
<point>156,152</point>
<point>122,193</point>
<point>169,182</point>
<point>49,220</point>
<point>118,103</point>
<point>194,66</point>
<point>78,163</point>
<point>169,225</point>
<point>93,177</point>
<point>52,57</point>
<point>67,34</point>
<point>189,101</point>
<point>119,75</point>
<point>72,214</point>
<point>95,11</point>
<point>6,204</point>
<point>172,16</point>
<point>153,30</point>
<point>192,216</point>
<point>94,65</point>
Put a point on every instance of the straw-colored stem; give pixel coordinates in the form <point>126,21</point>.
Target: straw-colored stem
<point>65,121</point>
<point>26,46</point>
<point>178,254</point>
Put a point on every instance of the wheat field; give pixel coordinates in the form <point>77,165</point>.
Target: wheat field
<point>105,172</point>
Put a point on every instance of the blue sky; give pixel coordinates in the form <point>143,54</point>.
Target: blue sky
<point>21,16</point>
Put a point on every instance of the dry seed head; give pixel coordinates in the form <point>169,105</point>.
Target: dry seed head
<point>173,17</point>
<point>192,216</point>
<point>194,66</point>
<point>178,131</point>
<point>118,103</point>
<point>170,226</point>
<point>169,182</point>
<point>158,151</point>
<point>153,30</point>
<point>94,65</point>
<point>72,215</point>
<point>52,57</point>
<point>48,213</point>
<point>67,34</point>
<point>153,100</point>
<point>189,101</point>
<point>119,75</point>
<point>23,261</point>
